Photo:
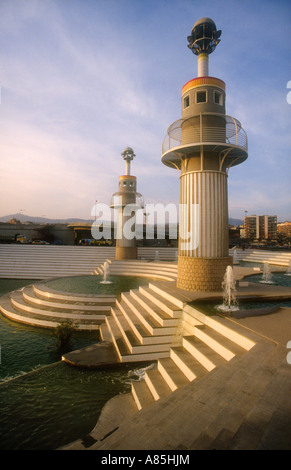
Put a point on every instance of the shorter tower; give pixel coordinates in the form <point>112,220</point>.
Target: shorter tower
<point>126,201</point>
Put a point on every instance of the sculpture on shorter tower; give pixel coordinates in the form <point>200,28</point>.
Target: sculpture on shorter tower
<point>126,201</point>
<point>128,155</point>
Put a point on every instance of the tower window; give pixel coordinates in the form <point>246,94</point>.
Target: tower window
<point>124,183</point>
<point>186,102</point>
<point>217,97</point>
<point>201,97</point>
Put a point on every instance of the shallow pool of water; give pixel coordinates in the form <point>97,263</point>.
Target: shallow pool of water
<point>56,405</point>
<point>211,308</point>
<point>93,285</point>
<point>45,403</point>
<point>25,348</point>
<point>8,285</point>
<point>279,279</point>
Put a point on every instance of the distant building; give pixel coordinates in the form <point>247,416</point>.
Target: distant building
<point>260,227</point>
<point>284,229</point>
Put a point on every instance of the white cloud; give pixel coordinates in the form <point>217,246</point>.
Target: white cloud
<point>81,83</point>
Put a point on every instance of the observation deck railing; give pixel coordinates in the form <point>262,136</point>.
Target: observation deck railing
<point>228,132</point>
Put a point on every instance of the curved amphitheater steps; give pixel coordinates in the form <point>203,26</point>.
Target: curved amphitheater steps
<point>166,271</point>
<point>39,306</point>
<point>47,261</point>
<point>274,258</point>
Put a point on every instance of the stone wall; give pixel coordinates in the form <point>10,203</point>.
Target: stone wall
<point>201,274</point>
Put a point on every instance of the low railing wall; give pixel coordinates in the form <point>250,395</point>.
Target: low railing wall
<point>229,132</point>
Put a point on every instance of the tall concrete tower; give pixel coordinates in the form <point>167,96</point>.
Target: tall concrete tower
<point>126,201</point>
<point>202,146</point>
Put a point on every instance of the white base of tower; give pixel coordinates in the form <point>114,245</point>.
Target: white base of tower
<point>203,244</point>
<point>126,252</point>
<point>203,215</point>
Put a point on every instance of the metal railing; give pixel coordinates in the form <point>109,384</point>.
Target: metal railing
<point>229,131</point>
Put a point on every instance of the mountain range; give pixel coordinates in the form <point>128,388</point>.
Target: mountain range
<point>43,220</point>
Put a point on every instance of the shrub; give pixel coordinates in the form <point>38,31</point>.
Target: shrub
<point>64,332</point>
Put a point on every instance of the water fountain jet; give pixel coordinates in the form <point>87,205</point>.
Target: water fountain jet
<point>235,257</point>
<point>267,275</point>
<point>105,273</point>
<point>229,292</point>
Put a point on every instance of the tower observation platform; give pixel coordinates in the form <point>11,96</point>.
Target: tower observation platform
<point>230,141</point>
<point>210,129</point>
<point>202,145</point>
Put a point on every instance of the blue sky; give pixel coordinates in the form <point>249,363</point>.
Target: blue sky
<point>83,79</point>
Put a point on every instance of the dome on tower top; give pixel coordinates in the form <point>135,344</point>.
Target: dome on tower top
<point>204,36</point>
<point>128,150</point>
<point>204,21</point>
<point>128,154</point>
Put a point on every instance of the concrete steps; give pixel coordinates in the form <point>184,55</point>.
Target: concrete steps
<point>240,406</point>
<point>47,261</point>
<point>159,301</point>
<point>155,325</point>
<point>172,374</point>
<point>210,345</point>
<point>144,331</point>
<point>132,353</point>
<point>147,324</point>
<point>172,295</point>
<point>39,306</point>
<point>158,387</point>
<point>141,330</point>
<point>99,306</point>
<point>43,292</point>
<point>272,257</point>
<point>158,253</point>
<point>186,363</point>
<point>141,395</point>
<point>132,341</point>
<point>141,268</point>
